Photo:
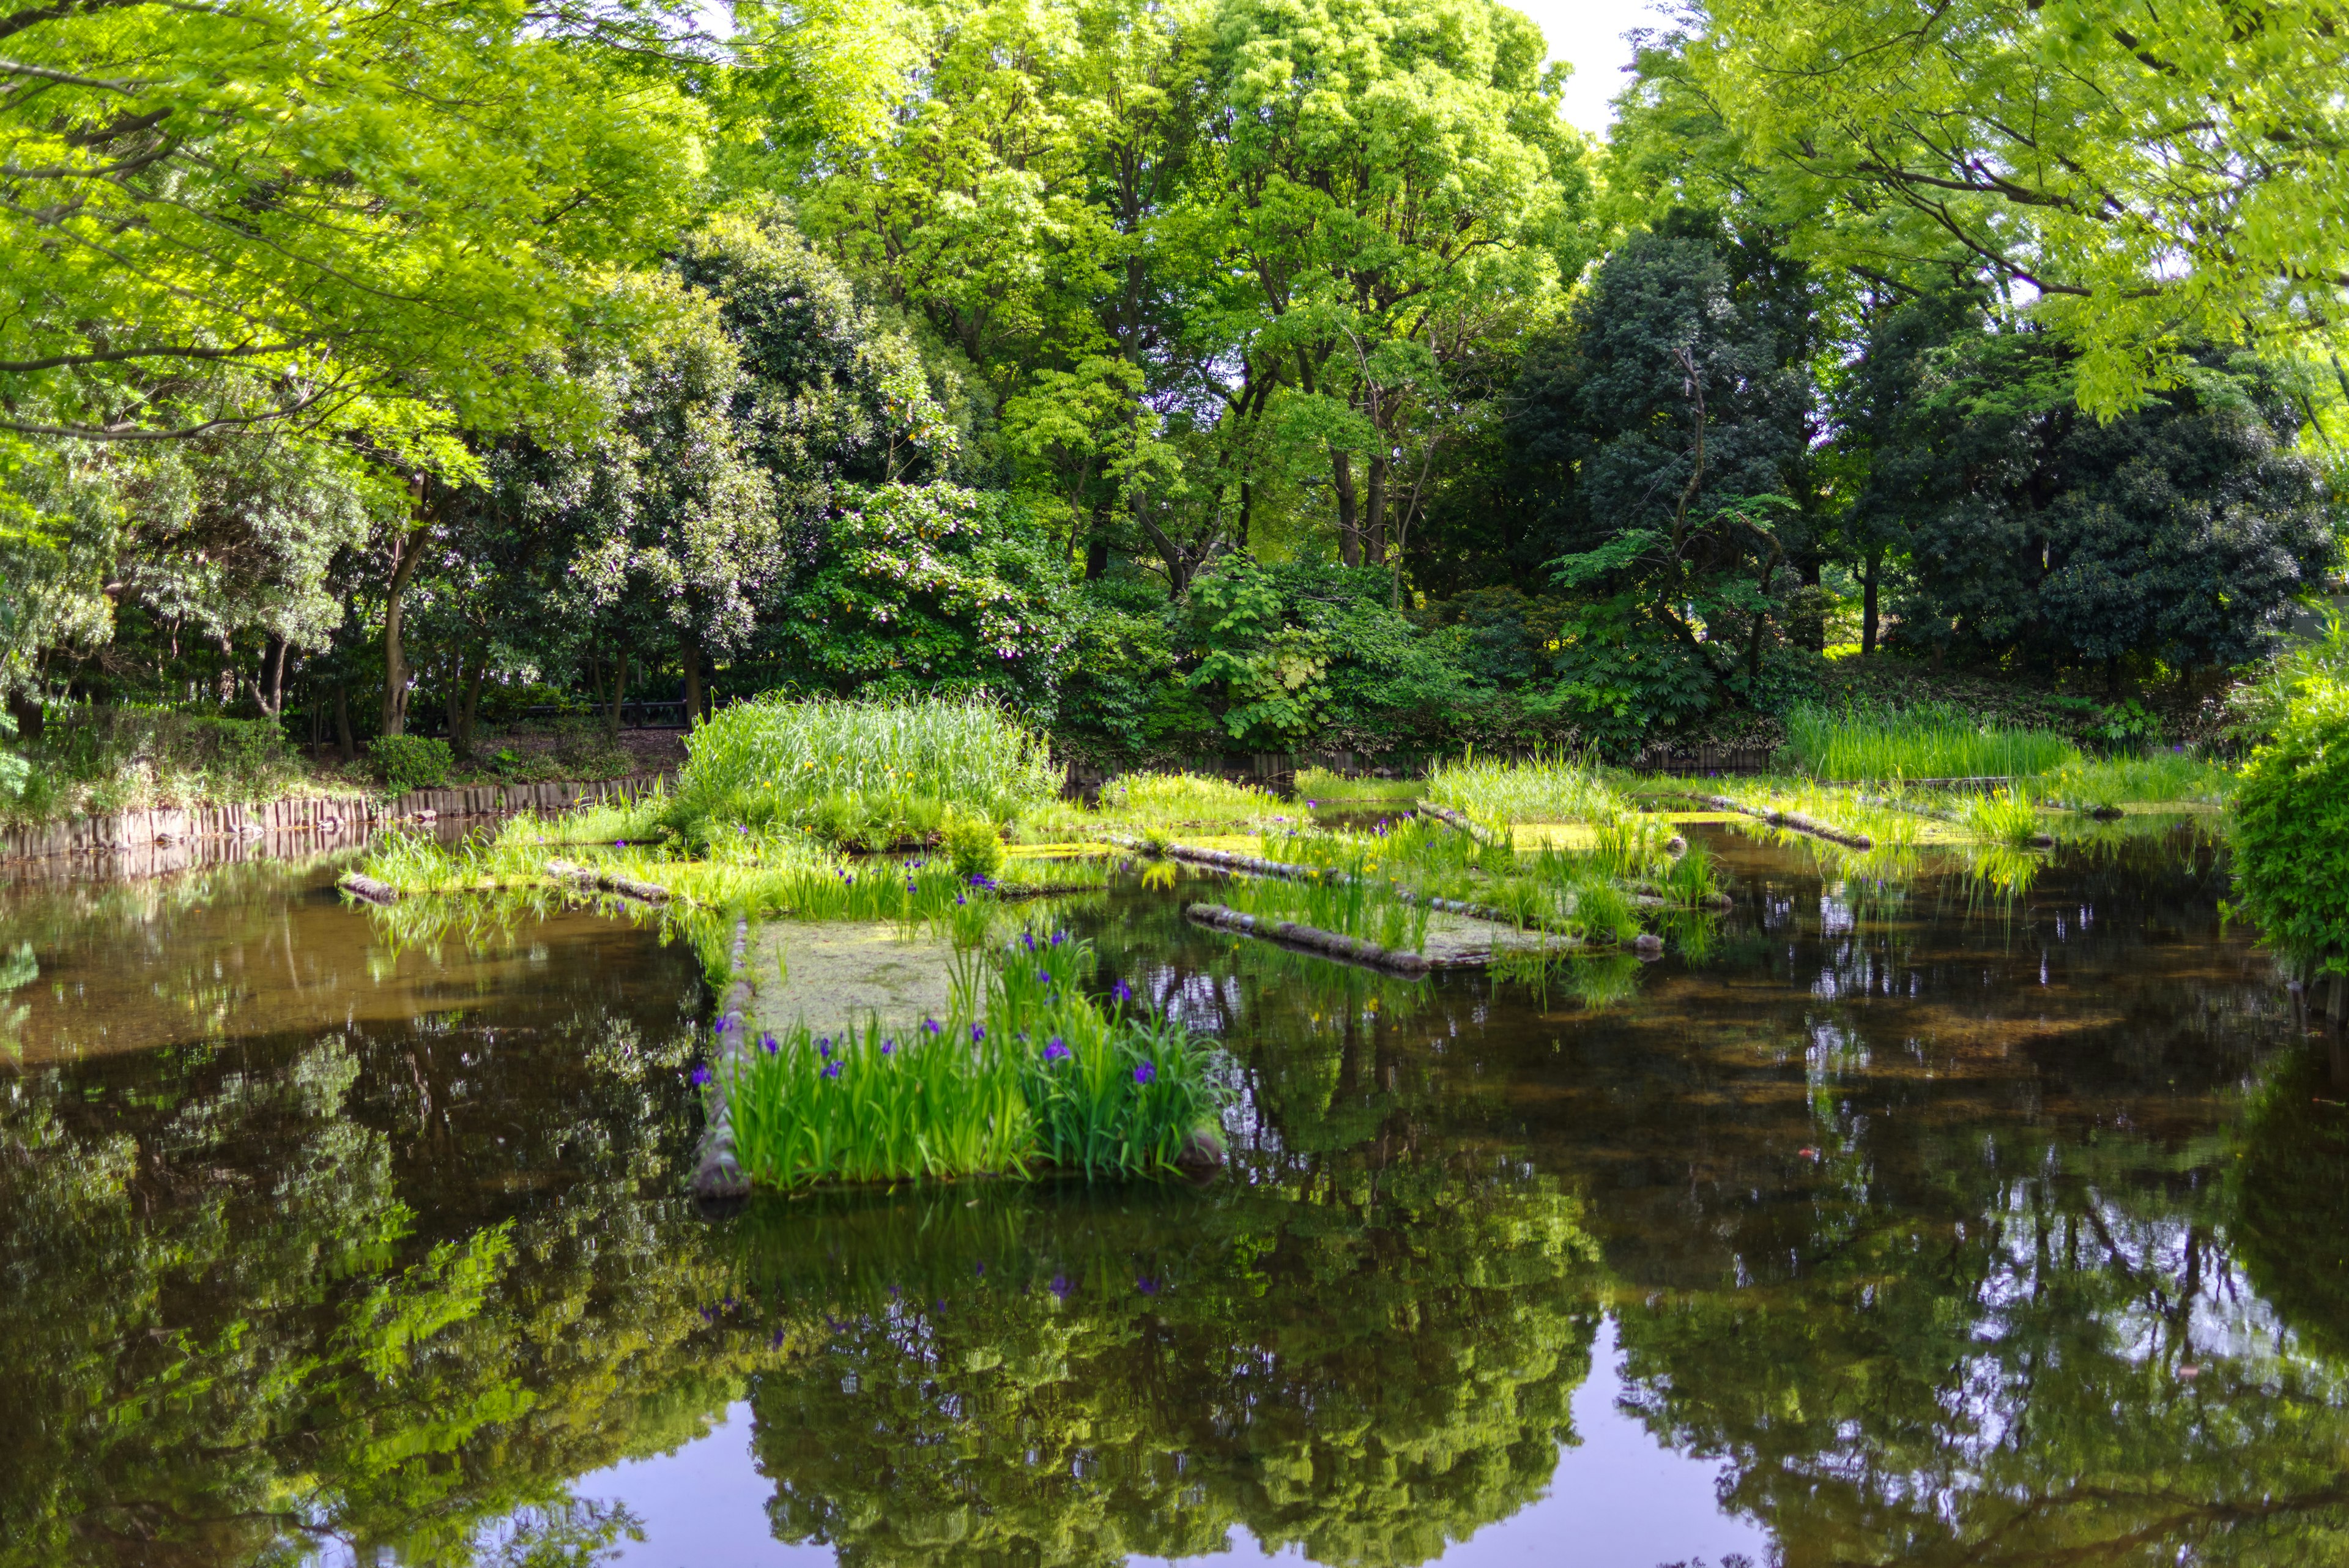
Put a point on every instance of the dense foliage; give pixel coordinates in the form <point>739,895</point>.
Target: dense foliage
<point>2291,831</point>
<point>1213,376</point>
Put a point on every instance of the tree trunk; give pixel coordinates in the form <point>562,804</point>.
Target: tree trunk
<point>270,689</point>
<point>1247,510</point>
<point>228,682</point>
<point>347,742</point>
<point>1349,528</point>
<point>619,694</point>
<point>688,653</point>
<point>1867,604</point>
<point>29,714</point>
<point>1374,515</point>
<point>465,701</point>
<point>408,553</point>
<point>1814,627</point>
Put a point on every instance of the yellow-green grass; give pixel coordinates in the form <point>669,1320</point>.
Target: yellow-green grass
<point>1026,1072</point>
<point>1558,787</point>
<point>858,772</point>
<point>1319,786</point>
<point>1928,740</point>
<point>2170,779</point>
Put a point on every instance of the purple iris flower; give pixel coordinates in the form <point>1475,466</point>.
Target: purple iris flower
<point>978,1032</point>
<point>824,1047</point>
<point>766,1044</point>
<point>1143,1071</point>
<point>1055,1049</point>
<point>1146,1286</point>
<point>1061,1287</point>
<point>832,1069</point>
<point>930,1026</point>
<point>1045,976</point>
<point>700,1076</point>
<point>887,1046</point>
<point>1121,992</point>
<point>1057,936</point>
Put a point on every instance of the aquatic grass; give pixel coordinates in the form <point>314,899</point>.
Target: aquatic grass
<point>1557,786</point>
<point>1025,1070</point>
<point>858,769</point>
<point>1353,898</point>
<point>1184,800</point>
<point>2004,816</point>
<point>1928,740</point>
<point>1319,786</point>
<point>2157,778</point>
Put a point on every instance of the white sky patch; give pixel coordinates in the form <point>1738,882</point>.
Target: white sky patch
<point>1588,36</point>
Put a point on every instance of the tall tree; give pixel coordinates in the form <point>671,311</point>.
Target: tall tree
<point>2157,175</point>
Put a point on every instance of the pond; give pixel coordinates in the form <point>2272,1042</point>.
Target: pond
<point>1880,1224</point>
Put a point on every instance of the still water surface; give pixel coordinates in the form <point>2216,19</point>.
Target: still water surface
<point>1889,1226</point>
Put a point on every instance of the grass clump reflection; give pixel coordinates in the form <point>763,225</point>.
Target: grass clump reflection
<point>1025,1070</point>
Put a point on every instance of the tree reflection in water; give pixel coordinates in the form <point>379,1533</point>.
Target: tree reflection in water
<point>2000,1232</point>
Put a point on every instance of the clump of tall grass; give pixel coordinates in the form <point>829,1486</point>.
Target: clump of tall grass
<point>1186,800</point>
<point>1319,786</point>
<point>1352,900</point>
<point>2004,816</point>
<point>1554,787</point>
<point>2156,778</point>
<point>1027,1070</point>
<point>1929,739</point>
<point>858,771</point>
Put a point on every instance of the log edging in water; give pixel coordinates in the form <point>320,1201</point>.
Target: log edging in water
<point>716,1172</point>
<point>1794,819</point>
<point>368,888</point>
<point>1257,865</point>
<point>610,882</point>
<point>1313,939</point>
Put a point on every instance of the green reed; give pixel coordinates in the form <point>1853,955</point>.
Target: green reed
<point>1319,786</point>
<point>2158,777</point>
<point>1551,787</point>
<point>2004,816</point>
<point>859,772</point>
<point>1928,741</point>
<point>1027,1070</point>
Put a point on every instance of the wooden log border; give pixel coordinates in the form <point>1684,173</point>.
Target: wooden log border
<point>1321,943</point>
<point>610,882</point>
<point>1256,865</point>
<point>1794,819</point>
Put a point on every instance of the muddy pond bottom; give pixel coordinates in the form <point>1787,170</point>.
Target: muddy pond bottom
<point>1871,1225</point>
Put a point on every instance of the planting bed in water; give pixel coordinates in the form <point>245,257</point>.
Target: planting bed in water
<point>893,1036</point>
<point>1024,1072</point>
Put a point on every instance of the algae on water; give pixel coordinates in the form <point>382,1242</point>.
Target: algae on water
<point>837,973</point>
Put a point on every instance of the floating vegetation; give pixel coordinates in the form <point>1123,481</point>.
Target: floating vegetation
<point>1026,1072</point>
<point>1929,741</point>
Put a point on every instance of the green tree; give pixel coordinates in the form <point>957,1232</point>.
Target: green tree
<point>1394,180</point>
<point>392,203</point>
<point>2155,178</point>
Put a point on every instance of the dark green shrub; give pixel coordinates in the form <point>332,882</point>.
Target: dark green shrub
<point>2291,832</point>
<point>411,761</point>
